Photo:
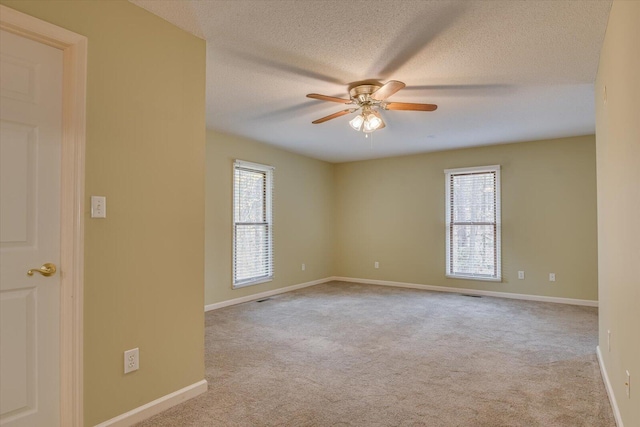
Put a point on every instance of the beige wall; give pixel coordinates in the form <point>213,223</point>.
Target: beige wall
<point>302,209</point>
<point>339,219</point>
<point>145,153</point>
<point>618,158</point>
<point>392,211</point>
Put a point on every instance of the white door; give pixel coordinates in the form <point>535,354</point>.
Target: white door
<point>30,143</point>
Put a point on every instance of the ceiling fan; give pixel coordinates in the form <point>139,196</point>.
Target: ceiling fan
<point>370,96</point>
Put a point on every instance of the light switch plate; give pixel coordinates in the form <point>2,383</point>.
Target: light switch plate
<point>98,207</point>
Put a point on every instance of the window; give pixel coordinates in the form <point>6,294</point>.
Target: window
<point>473,223</point>
<point>252,224</point>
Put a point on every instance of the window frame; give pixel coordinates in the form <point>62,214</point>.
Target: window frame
<point>268,215</point>
<point>449,173</point>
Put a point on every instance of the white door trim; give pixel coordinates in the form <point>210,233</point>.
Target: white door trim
<point>74,47</point>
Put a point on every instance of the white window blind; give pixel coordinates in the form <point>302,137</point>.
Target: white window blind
<point>473,223</point>
<point>252,223</point>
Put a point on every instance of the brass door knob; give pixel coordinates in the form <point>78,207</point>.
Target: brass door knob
<point>47,270</point>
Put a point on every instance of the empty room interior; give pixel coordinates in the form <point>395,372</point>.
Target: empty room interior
<point>320,213</point>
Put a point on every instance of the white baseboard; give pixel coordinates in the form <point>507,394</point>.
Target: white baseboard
<point>607,385</point>
<point>572,301</point>
<point>163,403</point>
<point>510,295</point>
<point>265,294</point>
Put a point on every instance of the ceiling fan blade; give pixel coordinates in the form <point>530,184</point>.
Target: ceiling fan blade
<point>328,98</point>
<point>334,115</point>
<point>388,89</point>
<point>418,33</point>
<point>409,106</point>
<point>457,90</point>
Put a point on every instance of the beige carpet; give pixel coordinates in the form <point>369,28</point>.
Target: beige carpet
<point>343,354</point>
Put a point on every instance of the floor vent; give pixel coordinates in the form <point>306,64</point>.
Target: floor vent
<point>263,300</point>
<point>472,296</point>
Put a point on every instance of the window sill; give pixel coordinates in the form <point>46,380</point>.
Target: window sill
<point>254,282</point>
<point>483,279</point>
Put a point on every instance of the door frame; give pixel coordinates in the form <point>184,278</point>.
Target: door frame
<point>74,48</point>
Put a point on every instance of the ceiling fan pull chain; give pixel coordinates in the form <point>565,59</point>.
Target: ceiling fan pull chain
<point>366,135</point>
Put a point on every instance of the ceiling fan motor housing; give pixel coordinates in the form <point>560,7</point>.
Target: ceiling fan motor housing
<point>362,93</point>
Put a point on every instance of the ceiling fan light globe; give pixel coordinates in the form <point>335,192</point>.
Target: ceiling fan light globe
<point>372,122</point>
<point>356,122</point>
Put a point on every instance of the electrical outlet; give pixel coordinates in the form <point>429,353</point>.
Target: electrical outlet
<point>376,265</point>
<point>627,385</point>
<point>608,340</point>
<point>303,267</point>
<point>131,360</point>
<point>552,277</point>
<point>520,275</point>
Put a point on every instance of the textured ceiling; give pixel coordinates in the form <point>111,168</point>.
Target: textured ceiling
<point>500,71</point>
